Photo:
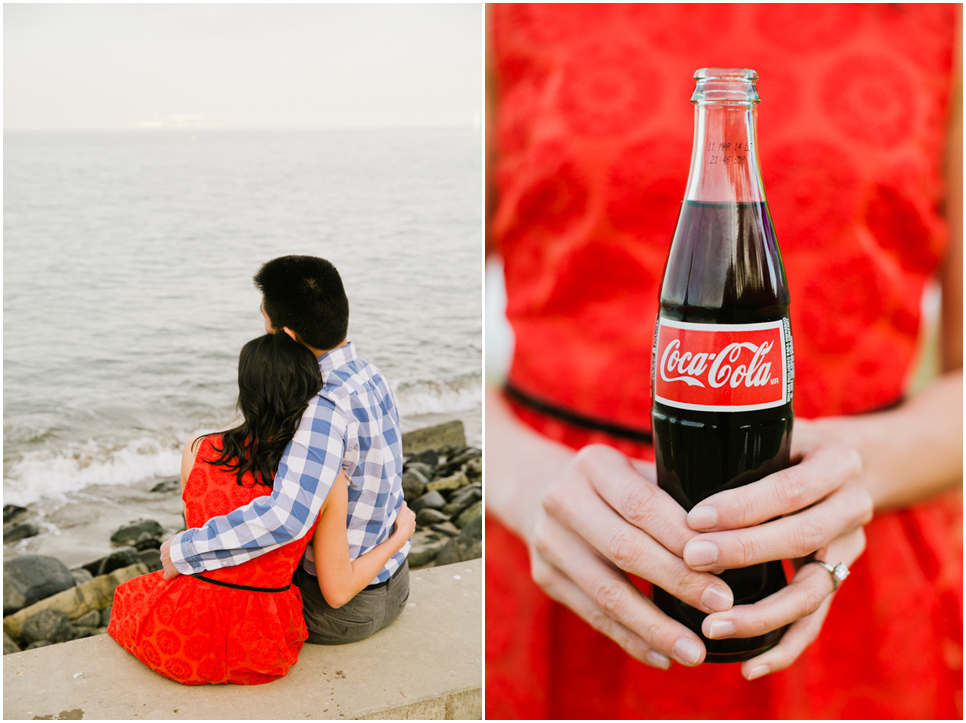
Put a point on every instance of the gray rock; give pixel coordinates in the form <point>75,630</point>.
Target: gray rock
<point>130,535</point>
<point>101,631</point>
<point>81,575</point>
<point>456,459</point>
<point>34,577</point>
<point>442,435</point>
<point>446,528</point>
<point>9,646</point>
<point>468,546</point>
<point>425,553</point>
<point>167,486</point>
<point>463,499</point>
<point>473,532</point>
<point>419,473</point>
<point>449,554</point>
<point>431,500</point>
<point>90,619</point>
<point>52,625</point>
<point>426,471</point>
<point>414,485</point>
<point>125,557</point>
<point>13,597</point>
<point>474,468</point>
<point>473,512</point>
<point>106,616</point>
<point>74,602</point>
<point>429,457</point>
<point>39,644</point>
<point>427,516</point>
<point>78,633</point>
<point>19,531</point>
<point>11,513</point>
<point>464,456</point>
<point>151,558</point>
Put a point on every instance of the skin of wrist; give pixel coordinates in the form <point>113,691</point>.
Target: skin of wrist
<point>861,433</point>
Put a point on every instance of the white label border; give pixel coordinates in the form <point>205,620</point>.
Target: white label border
<point>673,324</point>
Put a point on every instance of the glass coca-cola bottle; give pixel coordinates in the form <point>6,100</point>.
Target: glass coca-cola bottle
<point>722,371</point>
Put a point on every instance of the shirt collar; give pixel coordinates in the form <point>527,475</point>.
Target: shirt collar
<point>335,358</point>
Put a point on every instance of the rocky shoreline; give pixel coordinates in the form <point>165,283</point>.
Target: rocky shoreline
<point>45,602</point>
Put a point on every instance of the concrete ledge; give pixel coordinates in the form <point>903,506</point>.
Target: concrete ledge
<point>427,665</point>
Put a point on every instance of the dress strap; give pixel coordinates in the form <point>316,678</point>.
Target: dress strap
<point>249,588</point>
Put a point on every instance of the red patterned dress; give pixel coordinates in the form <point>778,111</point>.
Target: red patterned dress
<point>195,631</point>
<point>594,133</point>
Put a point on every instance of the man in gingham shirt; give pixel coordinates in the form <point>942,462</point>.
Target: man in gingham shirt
<point>352,424</point>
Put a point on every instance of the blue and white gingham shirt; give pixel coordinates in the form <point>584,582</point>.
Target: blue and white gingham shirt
<point>352,423</point>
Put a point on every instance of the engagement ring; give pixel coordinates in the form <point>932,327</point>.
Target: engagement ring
<point>838,573</point>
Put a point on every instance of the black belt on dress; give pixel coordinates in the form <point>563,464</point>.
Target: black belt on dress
<point>615,430</point>
<point>575,418</point>
<point>249,588</point>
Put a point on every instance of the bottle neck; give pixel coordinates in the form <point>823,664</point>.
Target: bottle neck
<point>724,160</point>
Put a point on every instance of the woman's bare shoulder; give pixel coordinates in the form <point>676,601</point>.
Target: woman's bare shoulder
<point>188,455</point>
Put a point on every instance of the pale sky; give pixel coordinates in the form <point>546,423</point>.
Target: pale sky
<point>78,67</point>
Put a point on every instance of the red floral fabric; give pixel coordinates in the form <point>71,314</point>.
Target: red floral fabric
<point>196,632</point>
<point>594,133</point>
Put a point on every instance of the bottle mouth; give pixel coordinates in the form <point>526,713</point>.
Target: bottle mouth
<point>729,86</point>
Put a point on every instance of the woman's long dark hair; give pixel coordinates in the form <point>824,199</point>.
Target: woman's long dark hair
<point>277,377</point>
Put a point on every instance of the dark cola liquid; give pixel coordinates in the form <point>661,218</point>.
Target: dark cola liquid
<point>724,268</point>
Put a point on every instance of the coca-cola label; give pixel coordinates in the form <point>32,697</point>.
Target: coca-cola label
<point>722,367</point>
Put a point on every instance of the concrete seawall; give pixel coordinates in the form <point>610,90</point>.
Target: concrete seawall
<point>428,665</point>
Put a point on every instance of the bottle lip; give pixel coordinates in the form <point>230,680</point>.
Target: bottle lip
<point>725,86</point>
<point>726,74</point>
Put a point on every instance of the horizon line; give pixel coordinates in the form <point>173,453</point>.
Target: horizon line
<point>229,129</point>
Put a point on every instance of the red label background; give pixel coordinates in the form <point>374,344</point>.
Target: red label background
<point>710,342</point>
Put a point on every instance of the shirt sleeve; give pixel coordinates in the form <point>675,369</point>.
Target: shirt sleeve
<point>309,466</point>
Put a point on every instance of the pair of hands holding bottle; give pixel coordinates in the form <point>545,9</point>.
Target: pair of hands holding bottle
<point>606,515</point>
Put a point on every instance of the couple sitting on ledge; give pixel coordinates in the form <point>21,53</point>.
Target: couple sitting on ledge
<point>297,524</point>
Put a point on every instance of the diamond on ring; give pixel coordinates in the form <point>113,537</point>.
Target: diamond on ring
<point>838,573</point>
<point>841,572</point>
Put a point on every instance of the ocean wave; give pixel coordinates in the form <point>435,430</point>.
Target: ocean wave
<point>455,395</point>
<point>53,474</point>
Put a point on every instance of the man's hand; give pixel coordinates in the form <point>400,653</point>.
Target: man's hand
<point>170,571</point>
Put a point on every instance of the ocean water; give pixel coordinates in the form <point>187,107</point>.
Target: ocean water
<point>128,260</point>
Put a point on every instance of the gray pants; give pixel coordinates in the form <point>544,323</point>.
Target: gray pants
<point>369,611</point>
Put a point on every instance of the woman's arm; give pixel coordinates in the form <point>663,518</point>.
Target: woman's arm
<point>340,579</point>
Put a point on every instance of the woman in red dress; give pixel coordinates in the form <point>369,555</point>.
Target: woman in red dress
<point>244,624</point>
<point>860,139</point>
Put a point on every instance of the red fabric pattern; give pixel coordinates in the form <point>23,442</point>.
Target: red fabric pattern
<point>196,632</point>
<point>594,131</point>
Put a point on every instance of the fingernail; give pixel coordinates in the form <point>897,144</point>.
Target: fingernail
<point>757,672</point>
<point>702,517</point>
<point>658,660</point>
<point>687,651</point>
<point>722,629</point>
<point>718,598</point>
<point>699,553</point>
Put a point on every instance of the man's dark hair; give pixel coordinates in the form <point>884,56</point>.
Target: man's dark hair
<point>305,294</point>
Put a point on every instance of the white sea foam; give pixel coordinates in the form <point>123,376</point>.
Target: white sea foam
<point>457,395</point>
<point>49,474</point>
